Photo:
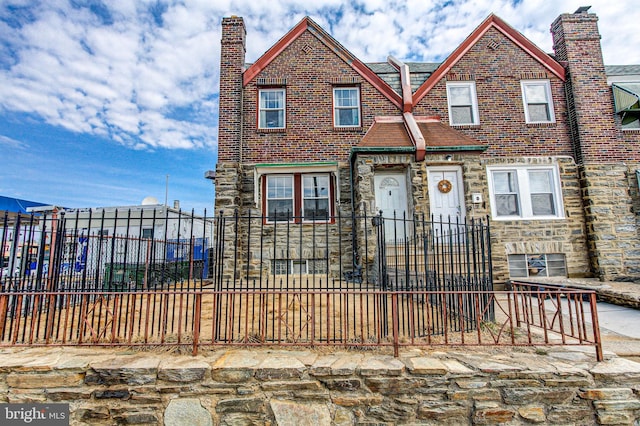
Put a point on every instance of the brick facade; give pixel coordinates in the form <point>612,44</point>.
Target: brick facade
<point>598,231</point>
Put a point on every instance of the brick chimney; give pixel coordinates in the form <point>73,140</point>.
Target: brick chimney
<point>599,150</point>
<point>232,57</point>
<point>576,42</point>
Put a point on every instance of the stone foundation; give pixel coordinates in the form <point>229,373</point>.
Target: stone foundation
<point>271,387</point>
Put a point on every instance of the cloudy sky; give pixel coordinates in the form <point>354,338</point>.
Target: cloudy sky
<point>104,102</point>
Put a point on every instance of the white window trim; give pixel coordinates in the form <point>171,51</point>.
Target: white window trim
<point>284,107</point>
<point>293,197</point>
<point>474,102</point>
<point>547,88</point>
<point>335,108</point>
<point>523,188</point>
<point>302,197</point>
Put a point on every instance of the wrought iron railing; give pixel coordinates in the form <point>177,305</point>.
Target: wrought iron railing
<point>525,316</point>
<point>109,279</point>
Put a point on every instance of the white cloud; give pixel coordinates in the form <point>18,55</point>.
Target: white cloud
<point>120,74</point>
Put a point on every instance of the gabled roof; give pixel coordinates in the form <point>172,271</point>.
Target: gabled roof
<point>491,22</point>
<point>391,133</point>
<point>307,24</point>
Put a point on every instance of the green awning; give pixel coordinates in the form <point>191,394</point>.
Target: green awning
<point>626,99</point>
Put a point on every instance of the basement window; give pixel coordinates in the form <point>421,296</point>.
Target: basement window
<point>299,266</point>
<point>537,265</point>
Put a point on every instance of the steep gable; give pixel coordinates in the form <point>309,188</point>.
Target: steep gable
<point>491,22</point>
<point>307,24</point>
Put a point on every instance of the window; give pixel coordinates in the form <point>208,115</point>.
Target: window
<point>463,105</point>
<point>537,265</point>
<point>536,95</point>
<point>147,233</point>
<point>525,193</point>
<point>279,197</point>
<point>299,266</point>
<point>315,192</point>
<point>272,109</point>
<point>288,196</point>
<point>346,107</point>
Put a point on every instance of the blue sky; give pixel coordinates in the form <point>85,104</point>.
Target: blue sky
<point>100,101</point>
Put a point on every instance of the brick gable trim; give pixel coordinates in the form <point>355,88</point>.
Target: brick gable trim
<point>307,24</point>
<point>515,36</point>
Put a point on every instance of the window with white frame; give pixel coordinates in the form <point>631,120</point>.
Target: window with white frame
<point>315,194</point>
<point>299,196</point>
<point>537,265</point>
<point>538,106</point>
<point>279,197</point>
<point>346,106</point>
<point>463,104</point>
<point>271,109</point>
<point>525,193</point>
<point>299,266</point>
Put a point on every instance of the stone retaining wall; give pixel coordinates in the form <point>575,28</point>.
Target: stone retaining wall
<point>245,387</point>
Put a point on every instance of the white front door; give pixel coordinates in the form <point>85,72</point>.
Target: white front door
<point>446,194</point>
<point>391,200</point>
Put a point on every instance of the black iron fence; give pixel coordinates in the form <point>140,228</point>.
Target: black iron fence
<point>357,252</point>
<point>105,250</point>
<point>162,276</point>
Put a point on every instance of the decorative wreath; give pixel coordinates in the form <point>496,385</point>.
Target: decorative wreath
<point>444,186</point>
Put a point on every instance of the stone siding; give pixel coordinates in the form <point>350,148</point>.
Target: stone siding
<point>611,201</point>
<point>564,236</point>
<point>272,387</point>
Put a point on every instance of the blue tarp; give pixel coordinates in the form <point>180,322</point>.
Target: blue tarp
<point>16,205</point>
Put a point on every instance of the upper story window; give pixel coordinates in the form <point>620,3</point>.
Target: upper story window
<point>626,98</point>
<point>463,103</point>
<point>271,109</point>
<point>298,197</point>
<point>525,193</point>
<point>346,107</point>
<point>538,106</point>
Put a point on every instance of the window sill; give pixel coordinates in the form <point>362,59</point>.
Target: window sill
<point>631,130</point>
<point>531,218</point>
<point>466,126</point>
<point>549,124</point>
<point>278,130</point>
<point>298,222</point>
<point>347,129</point>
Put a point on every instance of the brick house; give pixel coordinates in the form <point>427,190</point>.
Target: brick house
<point>543,145</point>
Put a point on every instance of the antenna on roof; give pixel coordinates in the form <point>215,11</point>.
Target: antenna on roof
<point>582,9</point>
